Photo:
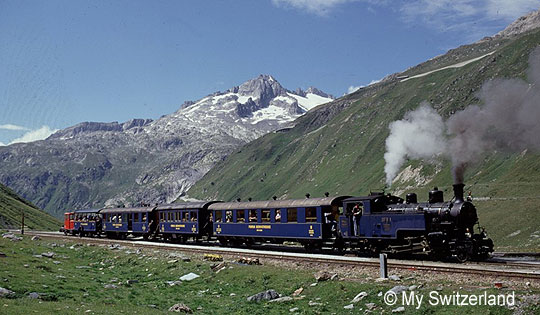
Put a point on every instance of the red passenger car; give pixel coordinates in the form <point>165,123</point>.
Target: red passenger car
<point>69,223</point>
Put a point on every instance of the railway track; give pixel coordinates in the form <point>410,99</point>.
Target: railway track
<point>501,269</point>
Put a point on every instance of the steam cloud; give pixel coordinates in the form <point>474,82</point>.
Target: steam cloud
<point>508,120</point>
<point>417,136</point>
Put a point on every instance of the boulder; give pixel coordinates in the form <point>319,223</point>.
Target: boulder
<point>8,235</point>
<point>218,267</point>
<point>282,299</point>
<point>4,293</point>
<point>349,307</point>
<point>48,254</point>
<point>173,283</point>
<point>298,292</point>
<point>399,309</point>
<point>36,238</point>
<point>398,289</point>
<point>266,295</point>
<point>180,307</point>
<point>371,306</point>
<point>190,276</point>
<point>324,276</point>
<point>359,297</point>
<point>34,295</point>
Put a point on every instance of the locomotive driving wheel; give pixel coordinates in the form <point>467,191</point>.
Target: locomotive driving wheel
<point>462,256</point>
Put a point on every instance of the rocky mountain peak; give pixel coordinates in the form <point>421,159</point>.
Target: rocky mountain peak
<point>316,91</point>
<point>262,88</point>
<point>521,25</point>
<point>86,127</point>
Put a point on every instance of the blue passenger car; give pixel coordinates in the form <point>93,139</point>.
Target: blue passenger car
<point>307,221</point>
<point>137,221</point>
<point>87,222</point>
<point>179,221</point>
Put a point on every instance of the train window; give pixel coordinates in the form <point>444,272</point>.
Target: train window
<point>193,215</point>
<point>144,217</point>
<point>219,216</point>
<point>253,215</point>
<point>292,215</point>
<point>277,217</point>
<point>228,216</point>
<point>240,216</point>
<point>265,215</point>
<point>161,216</point>
<point>311,214</point>
<point>350,207</point>
<point>184,216</point>
<point>136,217</point>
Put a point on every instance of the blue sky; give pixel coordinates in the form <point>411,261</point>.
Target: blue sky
<point>64,62</point>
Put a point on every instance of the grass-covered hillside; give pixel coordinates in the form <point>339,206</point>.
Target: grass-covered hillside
<point>12,207</point>
<point>339,147</point>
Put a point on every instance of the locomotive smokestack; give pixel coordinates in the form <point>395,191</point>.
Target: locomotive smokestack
<point>458,191</point>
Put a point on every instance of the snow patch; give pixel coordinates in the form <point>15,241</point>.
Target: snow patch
<point>310,101</point>
<point>243,99</point>
<point>271,112</point>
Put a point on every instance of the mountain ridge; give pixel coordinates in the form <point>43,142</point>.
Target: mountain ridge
<point>94,164</point>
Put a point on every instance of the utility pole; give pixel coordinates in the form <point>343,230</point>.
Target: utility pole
<point>22,223</point>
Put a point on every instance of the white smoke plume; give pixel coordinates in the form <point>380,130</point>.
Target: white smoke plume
<point>420,135</point>
<point>508,120</point>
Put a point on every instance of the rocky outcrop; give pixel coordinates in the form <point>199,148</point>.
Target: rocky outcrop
<point>523,24</point>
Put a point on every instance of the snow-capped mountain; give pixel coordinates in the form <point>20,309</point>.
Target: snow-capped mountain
<point>144,160</point>
<point>244,112</point>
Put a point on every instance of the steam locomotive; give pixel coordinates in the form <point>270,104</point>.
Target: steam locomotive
<point>377,223</point>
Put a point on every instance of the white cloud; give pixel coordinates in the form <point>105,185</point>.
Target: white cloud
<point>510,9</point>
<point>12,127</point>
<point>35,135</point>
<point>445,13</point>
<point>353,89</point>
<point>319,7</point>
<point>475,18</point>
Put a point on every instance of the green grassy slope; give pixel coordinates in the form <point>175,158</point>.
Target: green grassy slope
<point>342,153</point>
<point>12,207</point>
<point>96,280</point>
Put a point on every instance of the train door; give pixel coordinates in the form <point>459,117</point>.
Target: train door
<point>130,221</point>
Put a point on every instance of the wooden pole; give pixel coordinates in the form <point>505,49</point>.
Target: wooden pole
<point>22,223</point>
